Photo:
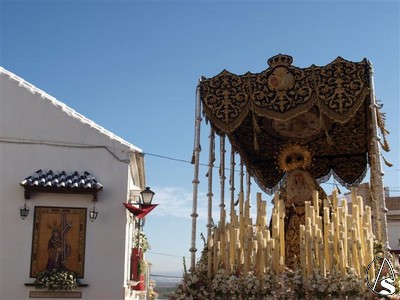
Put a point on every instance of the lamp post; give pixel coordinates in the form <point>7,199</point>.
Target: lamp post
<point>144,201</point>
<point>140,209</point>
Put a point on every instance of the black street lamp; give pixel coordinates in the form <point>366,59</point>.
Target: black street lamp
<point>147,196</point>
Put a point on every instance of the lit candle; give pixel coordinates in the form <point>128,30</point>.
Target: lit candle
<point>353,195</point>
<point>361,223</point>
<point>349,224</point>
<point>322,266</point>
<point>275,224</point>
<point>302,252</point>
<point>307,209</point>
<point>316,202</point>
<point>262,246</point>
<point>319,222</point>
<point>246,256</point>
<point>311,252</point>
<point>247,208</point>
<point>354,214</point>
<point>343,230</point>
<point>241,219</point>
<point>335,199</point>
<point>258,205</point>
<point>238,260</point>
<point>232,244</point>
<point>344,206</point>
<point>264,216</point>
<point>335,236</point>
<point>342,264</point>
<point>223,238</point>
<point>331,259</point>
<point>209,257</point>
<point>326,236</point>
<point>360,204</point>
<point>360,261</point>
<point>269,254</point>
<point>312,214</point>
<point>274,257</point>
<point>316,243</point>
<point>371,251</point>
<point>217,247</point>
<point>354,250</point>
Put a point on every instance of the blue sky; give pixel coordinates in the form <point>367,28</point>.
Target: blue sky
<point>133,67</point>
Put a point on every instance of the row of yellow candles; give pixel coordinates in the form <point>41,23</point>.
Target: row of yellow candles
<point>330,238</point>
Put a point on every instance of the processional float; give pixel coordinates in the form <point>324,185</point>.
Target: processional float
<point>291,128</point>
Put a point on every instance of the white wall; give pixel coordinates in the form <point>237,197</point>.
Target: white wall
<point>26,120</point>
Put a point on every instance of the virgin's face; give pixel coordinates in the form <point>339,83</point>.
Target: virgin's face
<point>300,186</point>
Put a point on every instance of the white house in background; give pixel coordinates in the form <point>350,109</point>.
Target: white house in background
<point>61,164</point>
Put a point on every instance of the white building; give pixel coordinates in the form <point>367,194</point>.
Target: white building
<point>42,137</point>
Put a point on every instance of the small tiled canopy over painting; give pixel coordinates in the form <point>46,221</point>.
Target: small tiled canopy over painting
<point>61,182</point>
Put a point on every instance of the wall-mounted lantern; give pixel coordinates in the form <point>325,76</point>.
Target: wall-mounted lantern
<point>93,213</point>
<point>24,211</point>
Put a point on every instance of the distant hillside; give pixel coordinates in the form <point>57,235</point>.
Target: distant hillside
<point>166,284</point>
<point>165,292</point>
<point>166,281</point>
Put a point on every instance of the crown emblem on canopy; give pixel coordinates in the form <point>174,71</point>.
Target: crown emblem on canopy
<point>280,60</point>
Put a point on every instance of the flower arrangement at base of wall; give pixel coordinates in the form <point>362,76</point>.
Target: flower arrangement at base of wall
<point>55,279</point>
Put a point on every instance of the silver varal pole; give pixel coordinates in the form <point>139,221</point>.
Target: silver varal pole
<point>377,191</point>
<point>222,176</point>
<point>232,182</point>
<point>210,194</point>
<point>196,181</point>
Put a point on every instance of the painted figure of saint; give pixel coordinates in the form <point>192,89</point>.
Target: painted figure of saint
<point>57,248</point>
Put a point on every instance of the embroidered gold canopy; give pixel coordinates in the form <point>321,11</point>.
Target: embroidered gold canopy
<point>325,109</point>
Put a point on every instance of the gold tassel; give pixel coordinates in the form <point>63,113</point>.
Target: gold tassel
<point>385,146</point>
<point>255,124</point>
<point>256,145</point>
<point>256,132</point>
<point>386,162</point>
<point>381,119</point>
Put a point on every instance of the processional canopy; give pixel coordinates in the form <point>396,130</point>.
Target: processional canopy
<point>325,109</point>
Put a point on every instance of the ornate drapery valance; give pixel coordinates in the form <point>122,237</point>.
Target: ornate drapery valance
<point>324,108</point>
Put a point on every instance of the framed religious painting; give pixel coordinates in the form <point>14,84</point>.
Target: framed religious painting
<point>59,235</point>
